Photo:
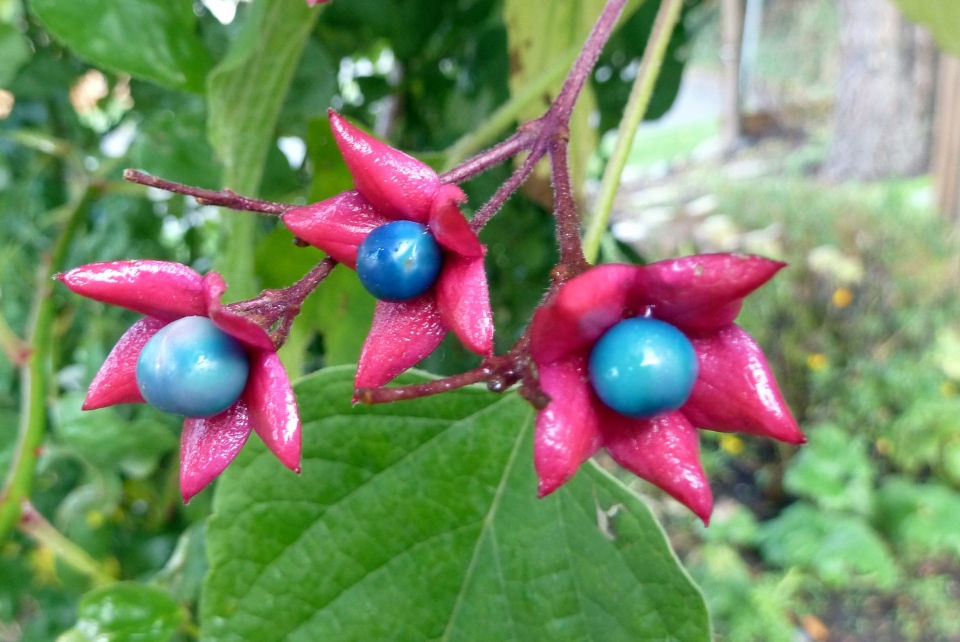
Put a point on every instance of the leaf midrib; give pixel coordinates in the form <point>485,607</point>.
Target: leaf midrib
<point>453,425</point>
<point>487,528</point>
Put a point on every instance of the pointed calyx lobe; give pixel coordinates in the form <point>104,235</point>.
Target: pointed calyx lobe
<point>734,391</point>
<point>393,186</point>
<point>166,292</point>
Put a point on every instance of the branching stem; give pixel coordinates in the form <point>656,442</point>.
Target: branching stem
<point>565,211</point>
<point>548,134</point>
<point>276,309</point>
<point>222,198</point>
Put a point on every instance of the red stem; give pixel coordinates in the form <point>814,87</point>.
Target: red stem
<point>489,159</point>
<point>563,106</point>
<point>549,133</point>
<point>282,306</point>
<point>565,212</point>
<point>223,198</point>
<point>491,207</point>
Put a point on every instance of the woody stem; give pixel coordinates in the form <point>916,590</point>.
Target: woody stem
<point>223,198</point>
<point>565,212</point>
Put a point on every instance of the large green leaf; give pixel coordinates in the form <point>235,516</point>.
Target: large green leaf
<point>149,39</point>
<point>245,93</point>
<point>942,17</point>
<point>419,521</point>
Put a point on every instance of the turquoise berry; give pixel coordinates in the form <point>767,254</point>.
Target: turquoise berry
<point>192,368</point>
<point>642,367</point>
<point>398,261</point>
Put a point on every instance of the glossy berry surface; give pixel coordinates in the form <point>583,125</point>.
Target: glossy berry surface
<point>642,367</point>
<point>192,368</point>
<point>398,261</point>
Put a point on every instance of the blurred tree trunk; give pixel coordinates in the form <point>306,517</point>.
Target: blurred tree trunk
<point>882,117</point>
<point>945,165</point>
<point>731,21</point>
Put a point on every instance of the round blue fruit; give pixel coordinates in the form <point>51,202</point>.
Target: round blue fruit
<point>398,261</point>
<point>192,368</point>
<point>642,367</point>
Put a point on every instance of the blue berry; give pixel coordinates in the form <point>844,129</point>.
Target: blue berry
<point>398,261</point>
<point>642,367</point>
<point>192,368</point>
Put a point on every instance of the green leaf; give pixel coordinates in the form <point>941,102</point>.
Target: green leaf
<point>149,39</point>
<point>330,173</point>
<point>419,520</point>
<point>921,517</point>
<point>108,440</point>
<point>837,546</point>
<point>175,146</point>
<point>14,52</point>
<point>940,16</point>
<point>126,612</point>
<point>344,315</point>
<point>245,93</point>
<point>834,470</point>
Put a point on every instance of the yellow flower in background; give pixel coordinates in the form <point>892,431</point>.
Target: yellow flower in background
<point>817,361</point>
<point>842,297</point>
<point>43,561</point>
<point>731,444</point>
<point>884,446</point>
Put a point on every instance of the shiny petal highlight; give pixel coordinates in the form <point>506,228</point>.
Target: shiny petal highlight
<point>705,291</point>
<point>397,185</point>
<point>273,408</point>
<point>665,451</point>
<point>567,431</point>
<point>116,381</point>
<point>401,335</point>
<point>209,444</point>
<point>736,392</point>
<point>449,226</point>
<point>585,308</point>
<point>159,289</point>
<point>464,302</point>
<point>337,225</point>
<point>241,328</point>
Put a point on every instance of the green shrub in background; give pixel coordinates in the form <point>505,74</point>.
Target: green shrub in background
<point>863,332</point>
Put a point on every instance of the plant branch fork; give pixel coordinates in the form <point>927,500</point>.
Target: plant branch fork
<point>547,136</point>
